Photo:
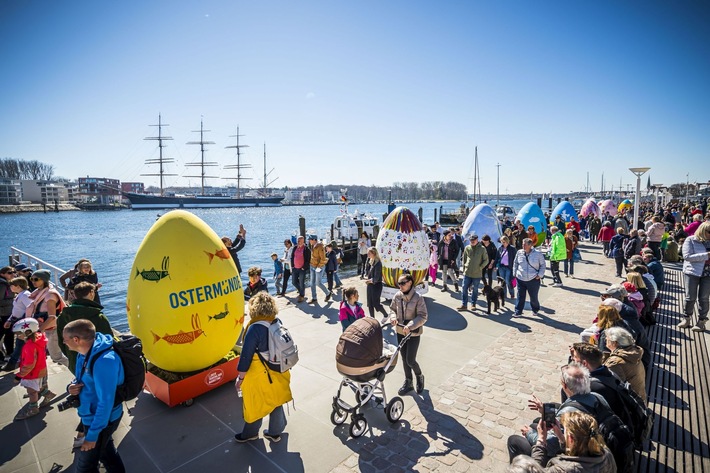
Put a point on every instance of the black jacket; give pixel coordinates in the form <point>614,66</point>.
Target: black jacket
<point>453,252</point>
<point>306,258</point>
<point>237,244</point>
<point>7,297</point>
<point>511,255</point>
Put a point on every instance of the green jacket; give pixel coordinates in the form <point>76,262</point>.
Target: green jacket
<point>558,247</point>
<point>475,259</point>
<point>81,309</point>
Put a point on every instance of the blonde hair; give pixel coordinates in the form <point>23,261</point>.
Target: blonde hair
<point>636,279</point>
<point>262,307</point>
<point>584,429</point>
<point>607,316</point>
<point>703,229</point>
<point>620,230</point>
<point>375,255</point>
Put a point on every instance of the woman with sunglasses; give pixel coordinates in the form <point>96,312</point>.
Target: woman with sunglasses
<point>6,299</point>
<point>409,316</point>
<point>46,305</point>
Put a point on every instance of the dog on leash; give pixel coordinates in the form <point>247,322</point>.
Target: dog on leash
<point>495,294</point>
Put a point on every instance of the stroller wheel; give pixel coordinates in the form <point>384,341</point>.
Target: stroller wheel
<point>394,409</point>
<point>338,416</point>
<point>358,426</point>
<point>363,393</point>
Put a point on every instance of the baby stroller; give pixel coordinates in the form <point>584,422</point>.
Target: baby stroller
<point>363,358</point>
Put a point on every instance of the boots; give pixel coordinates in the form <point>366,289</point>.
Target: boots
<point>406,387</point>
<point>420,383</point>
<point>685,323</point>
<point>700,326</point>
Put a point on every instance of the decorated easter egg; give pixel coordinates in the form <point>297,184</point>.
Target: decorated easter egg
<point>531,214</point>
<point>607,206</point>
<point>403,245</point>
<point>185,299</point>
<point>624,206</point>
<point>482,220</point>
<point>565,210</point>
<point>590,207</point>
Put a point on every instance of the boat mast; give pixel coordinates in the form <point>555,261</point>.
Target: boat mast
<point>160,160</point>
<point>202,164</point>
<point>267,183</point>
<point>239,166</point>
<point>476,178</point>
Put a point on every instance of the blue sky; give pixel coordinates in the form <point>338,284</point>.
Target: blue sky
<point>363,92</point>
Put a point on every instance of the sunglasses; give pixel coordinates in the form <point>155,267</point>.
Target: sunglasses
<point>35,279</point>
<point>402,283</point>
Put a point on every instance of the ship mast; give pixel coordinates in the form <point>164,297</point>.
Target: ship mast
<point>239,166</point>
<point>160,160</point>
<point>202,164</point>
<point>476,178</point>
<point>266,182</point>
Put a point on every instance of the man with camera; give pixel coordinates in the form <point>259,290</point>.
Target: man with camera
<point>92,393</point>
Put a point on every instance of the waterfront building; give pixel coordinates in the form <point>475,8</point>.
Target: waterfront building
<point>44,192</point>
<point>99,189</point>
<point>136,187</point>
<point>10,192</point>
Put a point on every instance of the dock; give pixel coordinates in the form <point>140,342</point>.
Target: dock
<point>480,370</point>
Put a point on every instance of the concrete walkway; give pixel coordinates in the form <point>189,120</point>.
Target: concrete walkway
<point>480,370</point>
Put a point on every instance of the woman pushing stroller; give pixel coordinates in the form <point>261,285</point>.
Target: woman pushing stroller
<point>410,315</point>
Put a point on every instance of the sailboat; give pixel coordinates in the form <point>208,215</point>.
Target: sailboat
<point>202,200</point>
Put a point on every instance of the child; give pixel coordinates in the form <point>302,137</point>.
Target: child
<point>433,262</point>
<point>19,306</point>
<point>256,283</point>
<point>278,273</point>
<point>331,266</point>
<point>33,366</point>
<point>350,308</point>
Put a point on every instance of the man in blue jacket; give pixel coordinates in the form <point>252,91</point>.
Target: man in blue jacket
<point>96,389</point>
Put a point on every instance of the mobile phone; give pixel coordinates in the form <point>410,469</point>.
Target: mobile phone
<point>548,413</point>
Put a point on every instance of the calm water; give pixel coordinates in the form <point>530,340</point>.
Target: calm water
<point>110,239</point>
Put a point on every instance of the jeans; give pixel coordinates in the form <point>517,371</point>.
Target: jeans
<point>468,282</point>
<point>299,280</point>
<point>15,356</point>
<point>697,289</point>
<point>606,247</point>
<point>277,424</point>
<point>524,287</point>
<point>488,276</point>
<point>104,452</point>
<point>409,356</point>
<point>555,269</point>
<point>317,280</point>
<point>53,347</point>
<point>374,293</point>
<point>569,266</point>
<point>507,274</point>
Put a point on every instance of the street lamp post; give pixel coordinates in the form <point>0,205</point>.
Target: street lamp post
<point>638,172</point>
<point>498,186</point>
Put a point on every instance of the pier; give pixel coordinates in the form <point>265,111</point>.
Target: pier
<point>480,370</point>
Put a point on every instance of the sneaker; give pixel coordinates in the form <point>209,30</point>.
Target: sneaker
<point>47,399</point>
<point>300,298</point>
<point>27,412</point>
<point>274,438</point>
<point>699,326</point>
<point>444,289</point>
<point>685,323</point>
<point>328,296</point>
<point>462,308</point>
<point>536,314</point>
<point>313,301</point>
<point>240,438</point>
<point>516,314</point>
<point>571,276</point>
<point>77,442</point>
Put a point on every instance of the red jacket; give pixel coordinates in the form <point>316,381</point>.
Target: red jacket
<point>33,360</point>
<point>606,234</point>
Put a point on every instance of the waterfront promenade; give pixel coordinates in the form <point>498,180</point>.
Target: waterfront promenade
<point>480,370</point>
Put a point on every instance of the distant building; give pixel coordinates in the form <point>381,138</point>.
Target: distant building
<point>44,192</point>
<point>10,192</point>
<point>135,187</point>
<point>99,189</point>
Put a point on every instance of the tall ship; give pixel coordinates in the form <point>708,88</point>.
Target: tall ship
<point>203,200</point>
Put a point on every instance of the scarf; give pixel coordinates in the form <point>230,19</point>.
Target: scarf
<point>39,296</point>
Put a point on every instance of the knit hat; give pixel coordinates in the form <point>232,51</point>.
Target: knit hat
<point>615,303</point>
<point>616,290</point>
<point>21,267</point>
<point>43,274</point>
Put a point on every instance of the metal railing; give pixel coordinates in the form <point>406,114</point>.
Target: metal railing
<point>18,256</point>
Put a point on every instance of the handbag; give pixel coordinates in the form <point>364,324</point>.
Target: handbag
<point>514,282</point>
<point>263,390</point>
<point>576,255</point>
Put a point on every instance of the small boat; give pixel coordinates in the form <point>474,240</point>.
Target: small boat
<point>348,226</point>
<point>505,211</point>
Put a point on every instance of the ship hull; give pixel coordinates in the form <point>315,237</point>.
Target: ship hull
<point>147,202</point>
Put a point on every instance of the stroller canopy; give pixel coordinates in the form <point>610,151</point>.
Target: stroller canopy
<point>361,344</point>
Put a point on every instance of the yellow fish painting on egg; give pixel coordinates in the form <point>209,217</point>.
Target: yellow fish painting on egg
<point>189,312</point>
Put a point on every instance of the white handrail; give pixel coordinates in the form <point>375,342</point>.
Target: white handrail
<point>18,256</point>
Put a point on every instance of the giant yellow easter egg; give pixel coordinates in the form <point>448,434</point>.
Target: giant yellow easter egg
<point>185,299</point>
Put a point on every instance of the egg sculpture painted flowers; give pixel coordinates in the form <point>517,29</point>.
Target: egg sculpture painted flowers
<point>402,245</point>
<point>185,299</point>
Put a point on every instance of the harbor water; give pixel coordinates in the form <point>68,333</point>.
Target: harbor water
<point>110,239</point>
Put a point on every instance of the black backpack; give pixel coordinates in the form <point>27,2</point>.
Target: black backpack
<point>129,349</point>
<point>617,436</point>
<point>641,417</point>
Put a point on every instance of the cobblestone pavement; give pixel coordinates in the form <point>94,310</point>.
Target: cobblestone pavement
<point>462,425</point>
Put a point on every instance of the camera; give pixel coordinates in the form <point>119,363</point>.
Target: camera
<point>549,410</point>
<point>70,402</point>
